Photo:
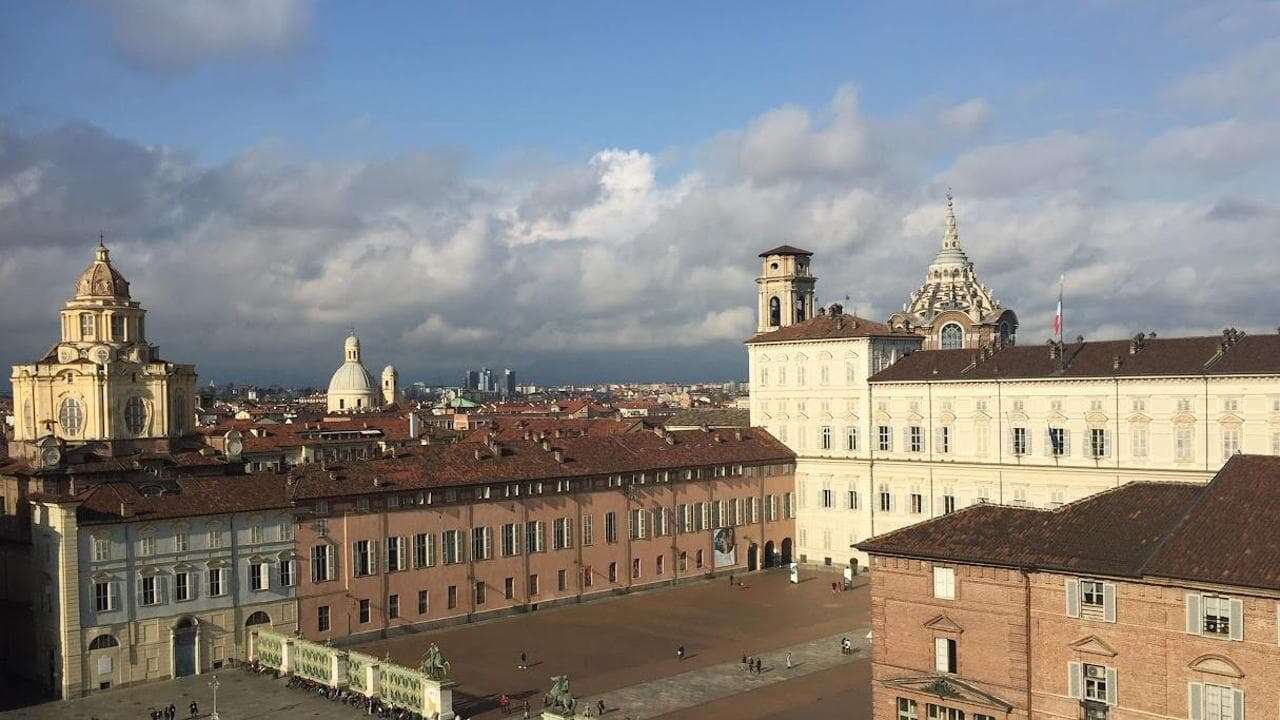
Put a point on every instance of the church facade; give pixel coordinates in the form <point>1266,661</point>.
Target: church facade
<point>890,429</point>
<point>103,383</point>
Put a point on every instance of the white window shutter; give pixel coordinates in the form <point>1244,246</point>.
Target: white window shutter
<point>941,660</point>
<point>1109,602</point>
<point>1048,442</point>
<point>1238,697</point>
<point>1066,443</point>
<point>893,502</point>
<point>1075,680</point>
<point>1072,587</point>
<point>1237,620</point>
<point>1193,614</point>
<point>1195,701</point>
<point>1111,686</point>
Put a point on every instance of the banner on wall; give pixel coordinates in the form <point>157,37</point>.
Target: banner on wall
<point>724,552</point>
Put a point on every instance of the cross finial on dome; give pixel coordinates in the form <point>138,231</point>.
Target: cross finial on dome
<point>101,251</point>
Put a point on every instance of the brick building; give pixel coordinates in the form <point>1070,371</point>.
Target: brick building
<point>1152,600</point>
<point>161,578</point>
<point>465,531</point>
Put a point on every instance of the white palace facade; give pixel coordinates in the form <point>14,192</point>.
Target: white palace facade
<point>890,432</point>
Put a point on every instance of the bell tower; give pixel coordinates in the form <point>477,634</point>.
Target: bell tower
<point>785,288</point>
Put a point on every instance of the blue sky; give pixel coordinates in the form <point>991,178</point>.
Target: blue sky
<point>409,168</point>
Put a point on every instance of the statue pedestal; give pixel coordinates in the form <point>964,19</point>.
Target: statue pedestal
<point>439,697</point>
<point>554,715</point>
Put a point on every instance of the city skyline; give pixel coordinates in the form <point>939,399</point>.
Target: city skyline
<point>580,216</point>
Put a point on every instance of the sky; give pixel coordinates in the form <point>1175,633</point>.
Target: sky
<point>579,190</point>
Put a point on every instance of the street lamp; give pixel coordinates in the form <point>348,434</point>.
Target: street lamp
<point>214,685</point>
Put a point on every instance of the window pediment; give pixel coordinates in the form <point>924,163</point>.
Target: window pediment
<point>942,623</point>
<point>1096,419</point>
<point>915,416</point>
<point>1056,417</point>
<point>947,418</point>
<point>951,688</point>
<point>1216,665</point>
<point>1184,418</point>
<point>1139,419</point>
<point>981,416</point>
<point>1230,419</point>
<point>883,418</point>
<point>1018,417</point>
<point>1093,645</point>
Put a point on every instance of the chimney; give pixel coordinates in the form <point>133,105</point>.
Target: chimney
<point>1115,362</point>
<point>546,444</point>
<point>737,435</point>
<point>671,439</point>
<point>558,455</point>
<point>477,453</point>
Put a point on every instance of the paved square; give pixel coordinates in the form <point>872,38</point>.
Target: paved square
<point>621,650</point>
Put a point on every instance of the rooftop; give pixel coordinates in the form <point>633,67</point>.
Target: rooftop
<point>828,327</point>
<point>1227,354</point>
<point>785,250</point>
<point>1223,532</point>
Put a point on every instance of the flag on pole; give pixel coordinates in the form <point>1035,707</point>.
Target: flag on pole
<point>1057,316</point>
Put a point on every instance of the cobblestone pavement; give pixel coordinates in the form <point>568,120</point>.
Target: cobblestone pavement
<point>241,696</point>
<point>604,646</point>
<point>698,687</point>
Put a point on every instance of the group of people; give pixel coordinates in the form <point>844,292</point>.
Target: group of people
<point>171,712</point>
<point>753,665</point>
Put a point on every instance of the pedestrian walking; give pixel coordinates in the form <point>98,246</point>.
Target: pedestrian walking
<point>730,579</point>
<point>173,712</point>
<point>504,702</point>
<point>600,707</point>
<point>524,661</point>
<point>680,653</point>
<point>746,662</point>
<point>526,710</point>
<point>759,666</point>
<point>195,709</point>
<point>789,660</point>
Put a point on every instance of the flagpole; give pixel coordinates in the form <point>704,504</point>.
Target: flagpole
<point>1062,280</point>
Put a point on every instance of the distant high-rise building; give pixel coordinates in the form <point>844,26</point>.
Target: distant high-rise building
<point>471,380</point>
<point>508,382</point>
<point>487,381</point>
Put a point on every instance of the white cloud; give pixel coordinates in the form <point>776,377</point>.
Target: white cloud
<point>1246,80</point>
<point>968,116</point>
<point>174,35</point>
<point>1225,147</point>
<point>435,331</point>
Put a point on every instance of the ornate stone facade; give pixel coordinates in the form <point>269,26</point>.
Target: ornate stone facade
<point>952,310</point>
<point>102,384</point>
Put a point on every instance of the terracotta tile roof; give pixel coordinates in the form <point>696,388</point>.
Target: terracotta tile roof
<point>785,250</point>
<point>1204,355</point>
<point>184,497</point>
<point>711,417</point>
<point>1224,532</point>
<point>509,429</point>
<point>433,466</point>
<point>265,437</point>
<point>828,327</point>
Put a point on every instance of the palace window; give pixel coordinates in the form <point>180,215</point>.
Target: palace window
<point>216,588</point>
<point>452,544</point>
<point>851,438</point>
<point>828,498</point>
<point>1018,436</point>
<point>588,531</point>
<point>259,576</point>
<point>1058,442</point>
<point>451,597</point>
<point>1095,683</point>
<point>561,533</point>
<point>944,655</point>
<point>825,439</point>
<point>481,543</point>
<point>393,606</point>
<point>1098,447</point>
<point>1230,441</point>
<point>286,572</point>
<point>535,536</point>
<point>364,611</point>
<point>952,336</point>
<point>480,592</point>
<point>181,585</point>
<point>117,327</point>
<point>1139,437</point>
<point>915,438</point>
<point>424,602</point>
<point>948,504</point>
<point>1184,444</point>
<point>361,558</point>
<point>322,618</point>
<point>395,554</point>
<point>510,539</point>
<point>944,583</point>
<point>886,499</point>
<point>775,312</point>
<point>424,550</point>
<point>103,598</point>
<point>86,326</point>
<point>886,438</point>
<point>907,709</point>
<point>611,527</point>
<point>943,446</point>
<point>1219,702</point>
<point>322,557</point>
<point>853,499</point>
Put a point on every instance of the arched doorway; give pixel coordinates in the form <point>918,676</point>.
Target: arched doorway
<point>770,558</point>
<point>185,636</point>
<point>752,562</point>
<point>786,551</point>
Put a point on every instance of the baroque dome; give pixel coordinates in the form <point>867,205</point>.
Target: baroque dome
<point>352,387</point>
<point>101,279</point>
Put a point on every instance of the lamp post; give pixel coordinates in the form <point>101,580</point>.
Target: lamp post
<point>213,684</point>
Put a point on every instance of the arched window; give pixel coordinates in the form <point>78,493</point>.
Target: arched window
<point>29,418</point>
<point>117,328</point>
<point>135,415</point>
<point>70,416</point>
<point>102,642</point>
<point>258,618</point>
<point>775,312</point>
<point>952,336</point>
<point>1004,331</point>
<point>799,309</point>
<point>86,325</point>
